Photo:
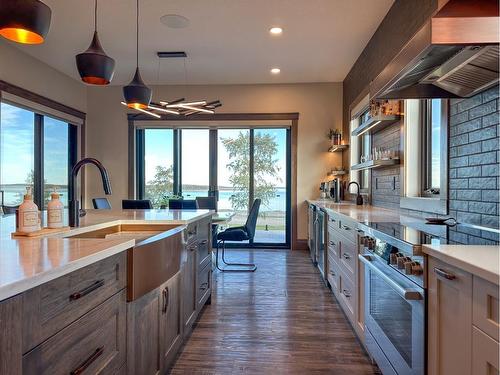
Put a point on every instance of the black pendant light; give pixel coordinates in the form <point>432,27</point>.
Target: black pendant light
<point>94,66</point>
<point>24,21</point>
<point>137,95</point>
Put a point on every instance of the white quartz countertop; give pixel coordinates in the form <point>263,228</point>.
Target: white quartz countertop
<point>479,260</point>
<point>28,262</point>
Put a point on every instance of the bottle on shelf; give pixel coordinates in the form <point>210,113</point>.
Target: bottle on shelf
<point>55,210</point>
<point>28,219</point>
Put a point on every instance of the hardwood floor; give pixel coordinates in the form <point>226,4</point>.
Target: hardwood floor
<point>278,320</point>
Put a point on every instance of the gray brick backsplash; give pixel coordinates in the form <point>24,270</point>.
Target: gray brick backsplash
<point>490,170</point>
<point>489,94</point>
<point>483,183</point>
<point>483,208</point>
<point>483,109</point>
<point>461,161</point>
<point>469,195</point>
<point>490,145</point>
<point>473,173</point>
<point>491,119</point>
<point>469,172</point>
<point>490,196</point>
<point>480,159</point>
<point>471,148</point>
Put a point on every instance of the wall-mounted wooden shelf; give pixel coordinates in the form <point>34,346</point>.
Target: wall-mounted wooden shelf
<point>371,164</point>
<point>375,123</point>
<point>338,148</point>
<point>336,173</point>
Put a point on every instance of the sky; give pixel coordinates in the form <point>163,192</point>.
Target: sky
<point>17,146</point>
<point>195,153</point>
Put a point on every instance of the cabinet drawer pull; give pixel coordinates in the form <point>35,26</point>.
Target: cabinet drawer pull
<point>332,273</point>
<point>87,290</point>
<point>332,220</point>
<point>345,227</point>
<point>346,256</point>
<point>85,364</point>
<point>346,293</point>
<point>443,273</point>
<point>331,243</point>
<point>193,247</point>
<point>203,286</point>
<point>203,242</point>
<point>166,299</point>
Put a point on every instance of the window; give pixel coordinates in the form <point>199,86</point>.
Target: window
<point>433,118</point>
<point>236,165</point>
<point>360,149</point>
<point>36,151</point>
<point>426,155</point>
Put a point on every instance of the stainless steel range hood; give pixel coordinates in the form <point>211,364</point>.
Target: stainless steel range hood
<point>455,54</point>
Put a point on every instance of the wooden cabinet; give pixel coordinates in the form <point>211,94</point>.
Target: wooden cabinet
<point>188,289</point>
<point>170,321</point>
<point>463,322</point>
<point>50,307</point>
<point>449,319</point>
<point>484,353</point>
<point>143,340</point>
<point>95,343</point>
<point>11,336</point>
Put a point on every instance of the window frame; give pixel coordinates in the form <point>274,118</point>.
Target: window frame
<point>422,200</point>
<point>39,149</point>
<point>357,148</point>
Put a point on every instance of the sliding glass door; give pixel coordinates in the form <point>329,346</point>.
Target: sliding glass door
<point>235,165</point>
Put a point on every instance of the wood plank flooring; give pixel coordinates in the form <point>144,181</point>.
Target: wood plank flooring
<point>278,320</point>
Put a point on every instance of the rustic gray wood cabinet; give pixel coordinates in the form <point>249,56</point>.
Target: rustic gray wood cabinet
<point>83,322</point>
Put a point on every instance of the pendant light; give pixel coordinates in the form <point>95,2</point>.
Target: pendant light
<point>24,21</point>
<point>94,66</point>
<point>137,95</point>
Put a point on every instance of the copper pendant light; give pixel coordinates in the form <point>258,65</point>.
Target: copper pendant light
<point>24,21</point>
<point>94,66</point>
<point>137,95</point>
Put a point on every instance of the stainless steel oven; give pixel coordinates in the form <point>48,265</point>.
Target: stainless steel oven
<point>394,318</point>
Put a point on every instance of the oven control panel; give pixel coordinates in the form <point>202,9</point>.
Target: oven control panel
<point>410,265</point>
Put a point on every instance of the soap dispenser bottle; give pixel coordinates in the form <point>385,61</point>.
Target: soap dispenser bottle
<point>55,211</point>
<point>28,216</point>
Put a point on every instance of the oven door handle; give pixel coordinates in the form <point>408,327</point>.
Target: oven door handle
<point>408,294</point>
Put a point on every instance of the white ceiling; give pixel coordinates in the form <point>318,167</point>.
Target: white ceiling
<point>227,42</point>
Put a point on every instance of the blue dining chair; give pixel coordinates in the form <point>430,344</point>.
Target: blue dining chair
<point>182,204</point>
<point>242,233</point>
<point>136,204</point>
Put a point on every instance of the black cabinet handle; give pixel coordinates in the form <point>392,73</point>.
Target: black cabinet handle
<point>85,364</point>
<point>203,286</point>
<point>443,273</point>
<point>203,242</point>
<point>87,290</point>
<point>345,227</point>
<point>346,256</point>
<point>346,293</point>
<point>166,299</point>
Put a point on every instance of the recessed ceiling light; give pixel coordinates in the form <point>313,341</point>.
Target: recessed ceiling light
<point>276,30</point>
<point>275,71</point>
<point>174,21</point>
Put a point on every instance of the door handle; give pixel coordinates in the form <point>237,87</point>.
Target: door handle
<point>407,294</point>
<point>444,274</point>
<point>166,299</point>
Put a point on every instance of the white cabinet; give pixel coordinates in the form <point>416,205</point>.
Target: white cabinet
<point>463,322</point>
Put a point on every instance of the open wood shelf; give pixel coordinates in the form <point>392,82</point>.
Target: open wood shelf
<point>338,148</point>
<point>337,173</point>
<point>371,164</point>
<point>375,123</point>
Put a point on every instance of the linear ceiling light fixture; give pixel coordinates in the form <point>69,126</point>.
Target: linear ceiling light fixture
<point>94,66</point>
<point>137,95</point>
<point>178,106</point>
<point>24,21</point>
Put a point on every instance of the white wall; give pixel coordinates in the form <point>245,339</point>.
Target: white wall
<point>319,106</point>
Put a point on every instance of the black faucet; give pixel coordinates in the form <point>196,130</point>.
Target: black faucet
<point>74,205</point>
<point>359,198</point>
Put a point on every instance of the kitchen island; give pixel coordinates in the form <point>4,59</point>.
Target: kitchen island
<point>120,293</point>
